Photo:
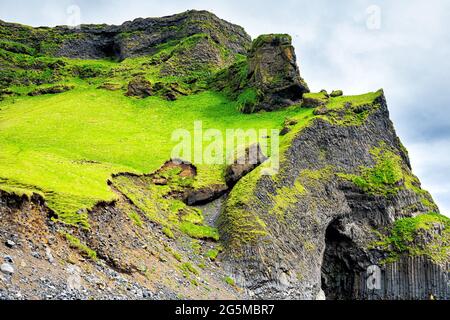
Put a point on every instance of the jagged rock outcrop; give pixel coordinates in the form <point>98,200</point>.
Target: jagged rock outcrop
<point>197,55</point>
<point>406,278</point>
<point>133,38</point>
<point>251,158</point>
<point>309,228</point>
<point>274,72</point>
<point>269,78</point>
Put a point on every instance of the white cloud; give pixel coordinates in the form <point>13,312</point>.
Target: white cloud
<point>430,163</point>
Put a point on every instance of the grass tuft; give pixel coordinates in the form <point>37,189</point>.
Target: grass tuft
<point>77,244</point>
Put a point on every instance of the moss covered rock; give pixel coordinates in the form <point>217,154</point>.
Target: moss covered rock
<point>272,68</point>
<point>423,235</point>
<point>314,100</point>
<point>110,86</point>
<point>132,39</point>
<point>51,90</point>
<point>336,93</point>
<point>170,90</point>
<point>310,227</point>
<point>268,79</point>
<point>139,87</point>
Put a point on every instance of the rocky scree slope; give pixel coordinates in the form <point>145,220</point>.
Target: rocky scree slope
<point>345,198</point>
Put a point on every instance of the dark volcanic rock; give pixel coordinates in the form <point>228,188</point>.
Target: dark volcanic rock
<point>139,87</point>
<point>169,91</point>
<point>269,79</point>
<point>314,100</point>
<point>202,54</point>
<point>143,35</point>
<point>205,195</point>
<point>336,93</point>
<point>131,39</point>
<point>321,111</point>
<point>306,231</point>
<point>186,169</point>
<point>5,93</point>
<point>288,124</point>
<point>251,159</point>
<point>273,70</point>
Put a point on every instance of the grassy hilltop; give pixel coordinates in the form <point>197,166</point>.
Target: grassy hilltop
<point>66,146</point>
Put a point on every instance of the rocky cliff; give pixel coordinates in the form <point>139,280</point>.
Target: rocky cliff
<point>133,38</point>
<point>317,224</point>
<point>343,218</point>
<point>267,79</point>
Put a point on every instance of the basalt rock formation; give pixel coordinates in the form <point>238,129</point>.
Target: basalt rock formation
<point>133,38</point>
<point>192,45</point>
<point>268,79</point>
<point>309,232</point>
<point>344,217</point>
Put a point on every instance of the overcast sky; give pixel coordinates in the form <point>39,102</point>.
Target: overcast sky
<point>402,46</point>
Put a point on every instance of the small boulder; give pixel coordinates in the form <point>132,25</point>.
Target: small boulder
<point>6,268</point>
<point>321,111</point>
<point>10,244</point>
<point>336,93</point>
<point>5,92</point>
<point>139,87</point>
<point>160,181</point>
<point>290,122</point>
<point>180,168</point>
<point>285,131</point>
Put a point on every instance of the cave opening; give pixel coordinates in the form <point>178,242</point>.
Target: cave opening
<point>110,50</point>
<point>338,266</point>
<point>293,93</point>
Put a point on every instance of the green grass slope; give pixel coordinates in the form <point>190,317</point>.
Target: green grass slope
<point>66,146</point>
